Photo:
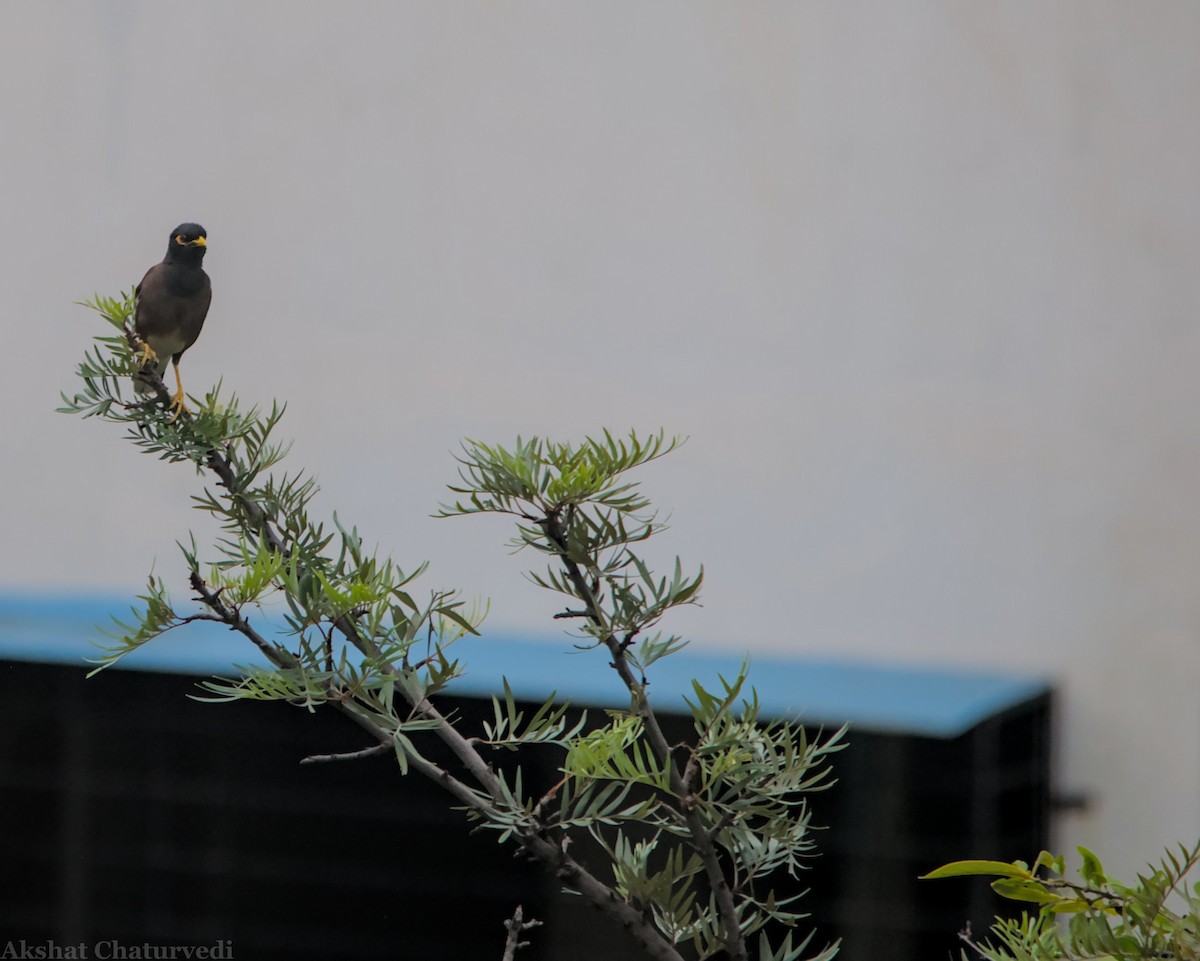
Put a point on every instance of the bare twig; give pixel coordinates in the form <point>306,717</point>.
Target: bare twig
<point>965,936</point>
<point>516,926</point>
<point>371,751</point>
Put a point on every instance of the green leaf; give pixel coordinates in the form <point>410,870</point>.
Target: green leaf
<point>1092,870</point>
<point>1023,889</point>
<point>404,747</point>
<point>959,869</point>
<point>1069,906</point>
<point>450,614</point>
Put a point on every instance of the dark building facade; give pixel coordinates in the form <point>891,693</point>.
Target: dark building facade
<point>133,814</point>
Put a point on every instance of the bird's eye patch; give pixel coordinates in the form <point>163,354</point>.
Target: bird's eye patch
<point>181,240</point>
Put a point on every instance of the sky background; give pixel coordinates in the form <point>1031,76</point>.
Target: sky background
<point>917,281</point>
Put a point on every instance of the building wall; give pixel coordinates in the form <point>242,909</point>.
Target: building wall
<point>916,280</point>
<point>135,814</point>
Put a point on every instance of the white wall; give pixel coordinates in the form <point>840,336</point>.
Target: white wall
<point>919,280</point>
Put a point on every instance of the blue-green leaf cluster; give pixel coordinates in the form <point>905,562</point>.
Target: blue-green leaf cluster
<point>734,802</point>
<point>575,504</point>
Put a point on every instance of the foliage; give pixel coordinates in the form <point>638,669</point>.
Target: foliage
<point>1156,918</point>
<point>690,836</point>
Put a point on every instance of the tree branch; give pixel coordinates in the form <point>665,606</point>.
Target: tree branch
<point>372,751</point>
<point>551,855</point>
<point>965,937</point>
<point>702,840</point>
<point>228,614</point>
<point>273,518</point>
<point>516,926</point>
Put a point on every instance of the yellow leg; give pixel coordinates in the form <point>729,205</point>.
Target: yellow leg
<point>177,401</point>
<point>148,354</point>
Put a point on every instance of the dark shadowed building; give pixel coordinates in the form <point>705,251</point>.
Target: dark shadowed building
<point>135,814</point>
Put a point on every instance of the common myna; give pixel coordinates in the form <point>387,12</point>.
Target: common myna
<point>170,305</point>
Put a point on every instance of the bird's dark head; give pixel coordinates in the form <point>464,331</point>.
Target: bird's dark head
<point>188,244</point>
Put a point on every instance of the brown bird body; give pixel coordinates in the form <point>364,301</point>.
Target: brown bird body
<point>171,303</point>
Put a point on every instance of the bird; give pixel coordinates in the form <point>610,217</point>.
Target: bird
<point>170,305</point>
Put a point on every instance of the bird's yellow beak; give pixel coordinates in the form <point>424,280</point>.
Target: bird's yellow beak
<point>198,242</point>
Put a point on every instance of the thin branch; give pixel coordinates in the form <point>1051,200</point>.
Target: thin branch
<point>965,937</point>
<point>281,658</point>
<point>446,732</point>
<point>734,942</point>
<point>516,926</point>
<point>534,841</point>
<point>372,751</point>
<point>219,465</point>
<point>725,820</point>
<point>1190,862</point>
<point>577,878</point>
<point>267,529</point>
<point>228,614</point>
<point>552,856</point>
<point>548,798</point>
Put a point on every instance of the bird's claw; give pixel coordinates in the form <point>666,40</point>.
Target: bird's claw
<point>147,354</point>
<point>178,406</point>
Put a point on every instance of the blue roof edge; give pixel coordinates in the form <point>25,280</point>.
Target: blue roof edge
<point>930,701</point>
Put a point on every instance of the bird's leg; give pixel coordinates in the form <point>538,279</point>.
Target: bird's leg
<point>147,353</point>
<point>177,401</point>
